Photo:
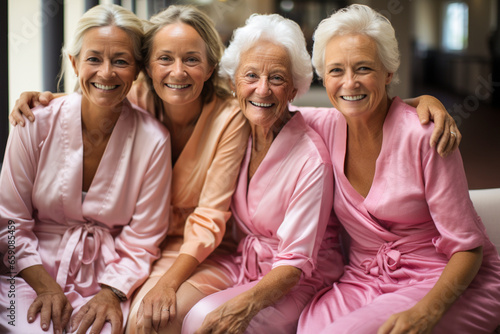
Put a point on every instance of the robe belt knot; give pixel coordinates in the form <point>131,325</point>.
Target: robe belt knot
<point>386,261</point>
<point>81,244</point>
<point>258,253</point>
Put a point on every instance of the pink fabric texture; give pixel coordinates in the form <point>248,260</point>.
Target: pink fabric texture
<point>416,216</point>
<point>112,236</point>
<point>281,216</point>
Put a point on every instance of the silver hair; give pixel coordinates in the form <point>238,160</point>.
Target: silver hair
<point>278,30</point>
<point>358,19</point>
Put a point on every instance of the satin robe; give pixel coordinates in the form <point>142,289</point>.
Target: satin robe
<point>111,237</point>
<point>282,217</point>
<point>416,216</point>
<point>203,182</point>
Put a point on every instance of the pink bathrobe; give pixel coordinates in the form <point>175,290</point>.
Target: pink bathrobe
<point>281,216</point>
<point>416,216</point>
<point>110,237</point>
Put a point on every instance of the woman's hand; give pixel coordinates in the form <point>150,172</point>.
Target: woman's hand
<point>412,321</point>
<point>52,305</point>
<point>51,301</point>
<point>156,309</point>
<point>446,135</point>
<point>454,280</point>
<point>23,106</point>
<point>231,317</point>
<point>104,306</point>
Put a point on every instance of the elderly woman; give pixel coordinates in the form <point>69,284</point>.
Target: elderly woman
<point>420,259</point>
<point>83,206</point>
<point>283,199</point>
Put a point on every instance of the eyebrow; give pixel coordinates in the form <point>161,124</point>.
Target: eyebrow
<point>189,52</point>
<point>114,54</point>
<point>362,62</point>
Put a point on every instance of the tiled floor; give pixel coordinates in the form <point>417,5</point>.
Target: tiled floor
<point>479,125</point>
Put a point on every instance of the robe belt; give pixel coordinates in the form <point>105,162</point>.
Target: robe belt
<point>388,257</point>
<point>77,242</point>
<point>257,257</point>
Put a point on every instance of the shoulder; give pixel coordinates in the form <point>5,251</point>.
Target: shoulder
<point>147,123</point>
<point>311,142</point>
<point>226,108</point>
<point>321,120</point>
<point>403,119</point>
<point>223,115</point>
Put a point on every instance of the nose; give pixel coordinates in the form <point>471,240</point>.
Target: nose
<point>106,70</point>
<point>351,80</point>
<point>263,86</point>
<point>178,68</point>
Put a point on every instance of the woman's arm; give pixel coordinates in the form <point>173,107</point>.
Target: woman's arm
<point>29,100</point>
<point>158,306</point>
<point>50,301</point>
<point>234,315</point>
<point>446,134</point>
<point>456,277</point>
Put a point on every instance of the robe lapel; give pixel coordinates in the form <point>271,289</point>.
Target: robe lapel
<point>113,167</point>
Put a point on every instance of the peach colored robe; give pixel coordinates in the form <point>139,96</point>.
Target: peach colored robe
<point>111,237</point>
<point>203,181</point>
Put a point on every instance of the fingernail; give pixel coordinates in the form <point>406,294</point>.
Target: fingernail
<point>30,319</point>
<point>44,326</point>
<point>22,123</point>
<point>30,118</point>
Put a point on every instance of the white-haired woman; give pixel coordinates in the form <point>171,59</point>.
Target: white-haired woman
<point>282,203</point>
<point>84,200</point>
<point>420,259</point>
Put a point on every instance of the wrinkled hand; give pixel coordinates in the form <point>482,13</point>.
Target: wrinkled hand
<point>231,317</point>
<point>105,306</point>
<point>156,309</point>
<point>412,321</point>
<point>23,106</point>
<point>446,135</point>
<point>51,305</point>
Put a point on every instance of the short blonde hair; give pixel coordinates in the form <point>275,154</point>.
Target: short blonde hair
<point>104,16</point>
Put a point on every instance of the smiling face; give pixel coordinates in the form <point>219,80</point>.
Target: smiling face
<point>264,83</point>
<point>178,64</point>
<point>106,67</point>
<point>355,78</point>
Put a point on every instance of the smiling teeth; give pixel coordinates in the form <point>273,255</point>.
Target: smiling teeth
<point>264,105</point>
<point>353,98</point>
<point>176,86</point>
<point>104,87</point>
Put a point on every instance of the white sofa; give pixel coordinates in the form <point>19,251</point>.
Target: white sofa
<point>487,204</point>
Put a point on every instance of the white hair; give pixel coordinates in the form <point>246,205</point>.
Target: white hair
<point>358,19</point>
<point>278,30</point>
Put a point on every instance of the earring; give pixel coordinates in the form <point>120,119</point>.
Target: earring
<point>233,93</point>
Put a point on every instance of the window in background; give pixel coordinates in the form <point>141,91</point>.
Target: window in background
<point>456,26</point>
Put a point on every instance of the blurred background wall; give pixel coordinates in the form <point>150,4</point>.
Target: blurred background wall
<point>449,49</point>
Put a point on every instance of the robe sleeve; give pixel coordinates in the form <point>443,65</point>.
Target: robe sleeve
<point>205,227</point>
<point>447,195</point>
<point>139,241</point>
<point>306,219</point>
<point>18,242</point>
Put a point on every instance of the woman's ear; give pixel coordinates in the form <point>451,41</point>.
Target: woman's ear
<point>209,73</point>
<point>389,78</point>
<point>74,64</point>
